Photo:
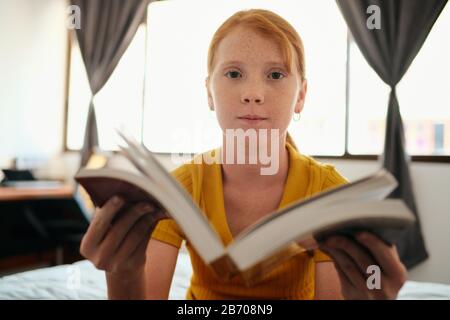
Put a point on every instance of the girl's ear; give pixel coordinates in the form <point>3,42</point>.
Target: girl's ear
<point>210,100</point>
<point>210,103</point>
<point>301,97</point>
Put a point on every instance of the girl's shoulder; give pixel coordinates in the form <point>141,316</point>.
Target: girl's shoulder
<point>325,175</point>
<point>190,174</point>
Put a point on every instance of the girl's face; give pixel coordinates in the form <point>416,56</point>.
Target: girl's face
<point>249,86</point>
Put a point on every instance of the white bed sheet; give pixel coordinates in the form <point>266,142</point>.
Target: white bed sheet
<point>82,280</point>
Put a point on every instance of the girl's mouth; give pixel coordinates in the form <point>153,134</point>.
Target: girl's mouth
<point>252,118</point>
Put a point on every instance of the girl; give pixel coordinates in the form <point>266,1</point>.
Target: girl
<point>256,80</point>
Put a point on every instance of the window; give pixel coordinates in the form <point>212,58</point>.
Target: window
<point>117,105</point>
<point>422,94</point>
<point>176,114</point>
<point>169,113</point>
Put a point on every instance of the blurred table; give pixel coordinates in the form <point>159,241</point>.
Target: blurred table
<point>19,198</point>
<point>28,192</point>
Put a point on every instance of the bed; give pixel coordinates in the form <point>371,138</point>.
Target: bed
<point>81,280</point>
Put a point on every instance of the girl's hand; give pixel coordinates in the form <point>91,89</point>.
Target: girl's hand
<point>352,259</point>
<point>116,239</point>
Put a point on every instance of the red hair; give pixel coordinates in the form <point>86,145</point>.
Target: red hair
<point>268,24</point>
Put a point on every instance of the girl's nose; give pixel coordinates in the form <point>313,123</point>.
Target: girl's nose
<point>257,100</point>
<point>252,94</point>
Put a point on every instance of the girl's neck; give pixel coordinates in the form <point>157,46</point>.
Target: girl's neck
<point>248,175</point>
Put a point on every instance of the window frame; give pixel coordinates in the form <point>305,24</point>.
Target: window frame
<point>345,156</point>
<point>70,39</point>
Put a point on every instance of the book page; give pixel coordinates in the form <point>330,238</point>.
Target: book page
<point>178,202</point>
<point>305,222</point>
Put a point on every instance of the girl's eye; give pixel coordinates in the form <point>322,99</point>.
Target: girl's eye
<point>276,75</point>
<point>233,74</point>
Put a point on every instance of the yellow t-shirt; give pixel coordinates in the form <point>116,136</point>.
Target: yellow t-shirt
<point>292,279</point>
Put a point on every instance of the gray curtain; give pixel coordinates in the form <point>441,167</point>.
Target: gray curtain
<point>390,50</point>
<point>107,28</point>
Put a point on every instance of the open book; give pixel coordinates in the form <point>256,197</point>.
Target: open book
<point>356,206</point>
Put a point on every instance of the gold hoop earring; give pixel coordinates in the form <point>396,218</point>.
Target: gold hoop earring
<point>296,118</point>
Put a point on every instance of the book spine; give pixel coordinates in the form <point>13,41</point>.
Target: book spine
<point>256,273</point>
<point>224,268</point>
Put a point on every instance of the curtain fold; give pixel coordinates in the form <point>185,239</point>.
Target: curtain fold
<point>390,50</point>
<point>107,28</point>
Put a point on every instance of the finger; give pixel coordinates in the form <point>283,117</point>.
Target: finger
<point>347,287</point>
<point>139,255</point>
<point>349,269</point>
<point>332,253</point>
<point>360,255</point>
<point>122,226</point>
<point>102,221</point>
<point>140,230</point>
<point>346,284</point>
<point>386,256</point>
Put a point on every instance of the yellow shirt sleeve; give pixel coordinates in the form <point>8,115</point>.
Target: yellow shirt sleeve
<point>333,179</point>
<point>320,256</point>
<point>167,230</point>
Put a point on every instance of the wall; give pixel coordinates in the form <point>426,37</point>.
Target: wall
<point>33,45</point>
